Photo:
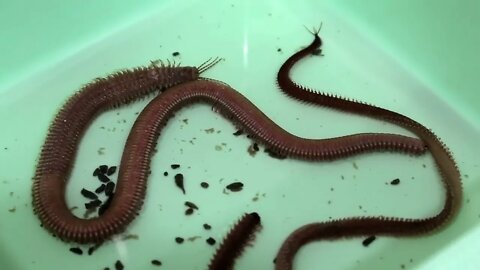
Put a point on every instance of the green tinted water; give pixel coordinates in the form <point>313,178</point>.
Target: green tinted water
<point>393,56</point>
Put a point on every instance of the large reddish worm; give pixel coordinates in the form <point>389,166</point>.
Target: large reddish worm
<point>58,152</point>
<point>362,226</point>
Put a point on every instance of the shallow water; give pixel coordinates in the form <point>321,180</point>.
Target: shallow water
<point>254,39</point>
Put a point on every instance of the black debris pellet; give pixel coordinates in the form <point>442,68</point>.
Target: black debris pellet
<point>112,170</point>
<point>96,172</point>
<point>207,226</point>
<point>211,241</point>
<point>279,50</point>
<point>204,184</point>
<point>191,205</point>
<point>93,204</point>
<point>109,188</point>
<point>103,178</point>
<point>179,240</point>
<point>165,173</point>
<point>274,155</point>
<point>105,206</point>
<point>189,211</point>
<point>175,53</point>
<point>103,169</point>
<point>88,194</point>
<point>100,189</point>
<point>76,250</point>
<point>238,132</point>
<point>368,241</point>
<point>91,250</point>
<point>118,265</point>
<point>179,182</point>
<point>106,268</point>
<point>395,181</point>
<point>235,186</point>
<point>255,147</point>
<point>156,262</point>
<point>175,166</point>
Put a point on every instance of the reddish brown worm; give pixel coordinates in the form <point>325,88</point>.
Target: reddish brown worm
<point>58,152</point>
<point>234,242</point>
<point>62,141</point>
<point>362,226</point>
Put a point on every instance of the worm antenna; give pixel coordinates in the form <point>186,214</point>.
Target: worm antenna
<point>209,64</point>
<point>314,31</point>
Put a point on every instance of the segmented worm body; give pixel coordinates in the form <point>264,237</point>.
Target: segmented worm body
<point>234,242</point>
<point>57,155</point>
<point>58,152</point>
<point>361,226</point>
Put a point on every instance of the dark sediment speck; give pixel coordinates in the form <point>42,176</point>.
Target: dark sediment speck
<point>368,241</point>
<point>175,166</point>
<point>93,248</point>
<point>274,154</point>
<point>103,178</point>
<point>105,206</point>
<point>112,170</point>
<point>103,169</point>
<point>88,194</point>
<point>235,186</point>
<point>207,226</point>
<point>118,265</point>
<point>211,241</point>
<point>209,130</point>
<point>189,211</point>
<point>96,172</point>
<point>100,189</point>
<point>179,240</point>
<point>76,250</point>
<point>251,149</point>
<point>395,181</point>
<point>165,173</point>
<point>156,262</point>
<point>175,53</point>
<point>238,132</point>
<point>109,188</point>
<point>179,182</point>
<point>204,184</point>
<point>191,205</point>
<point>130,237</point>
<point>93,204</point>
